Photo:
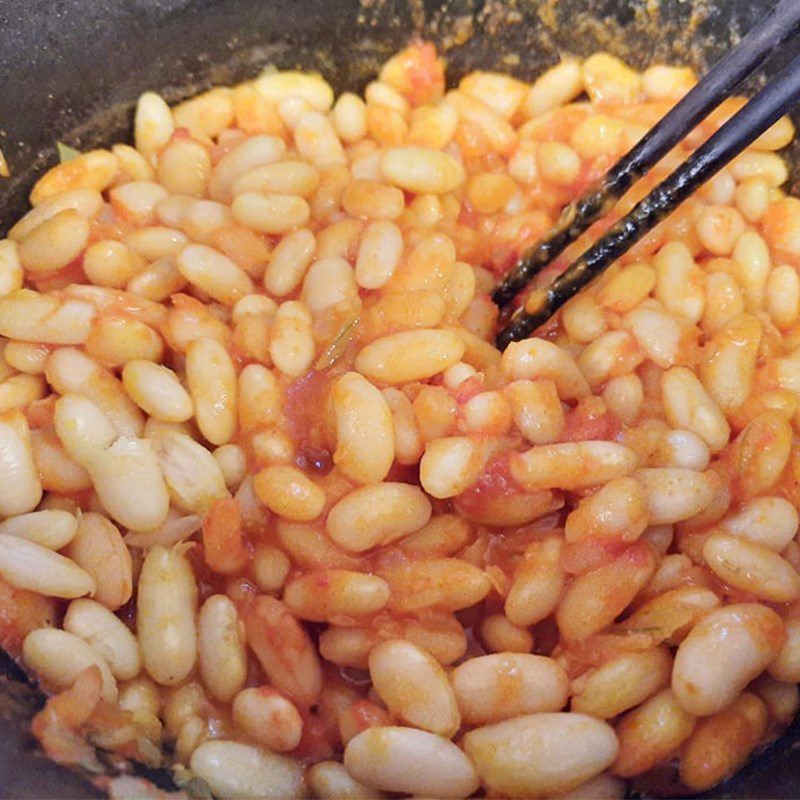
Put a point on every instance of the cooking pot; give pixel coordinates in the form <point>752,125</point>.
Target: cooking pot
<point>71,70</point>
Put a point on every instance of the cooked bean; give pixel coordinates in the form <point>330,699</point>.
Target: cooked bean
<point>445,583</point>
<point>270,213</point>
<point>500,635</point>
<point>211,377</point>
<point>289,492</point>
<point>507,755</point>
<point>269,718</point>
<point>28,565</point>
<point>26,357</point>
<point>327,595</point>
<point>289,262</point>
<point>536,409</point>
<point>782,699</point>
<point>184,167</point>
<point>93,170</point>
<point>166,607</point>
<point>284,649</point>
<point>379,253</point>
<point>222,656</point>
<point>622,683</point>
<point>316,140</point>
<point>193,477</point>
<point>537,584</point>
<point>672,614</point>
<point>410,761</point>
<point>99,549</point>
<point>329,780</point>
<point>114,341</point>
<point>54,243</point>
<point>377,515</point>
<point>496,687</point>
<point>87,202</point>
<point>232,769</point>
<point>451,465</point>
<point>418,169</point>
<point>688,406</point>
<point>11,275</point>
<point>661,82</point>
<point>679,282</point>
<point>33,317</point>
<point>70,371</point>
<point>676,494</point>
<point>292,339</point>
<point>153,125</point>
<point>214,273</point>
<point>22,489</point>
<point>409,356</point>
<point>364,431</point>
<point>202,220</point>
<point>729,371</point>
<point>284,177</point>
<point>253,152</point>
<point>259,397</point>
<point>414,687</point>
<point>742,639</point>
<point>751,568</point>
<point>51,529</point>
<point>611,355</point>
<point>651,733</point>
<point>617,510</point>
<point>107,634</point>
<point>786,664</point>
<point>270,568</point>
<point>571,465</point>
<point>761,451</point>
<point>681,449</point>
<point>136,201</point>
<point>555,87</point>
<point>129,483</point>
<point>721,743</point>
<point>157,391</point>
<point>59,657</point>
<point>156,242</point>
<point>596,598</point>
<point>656,332</point>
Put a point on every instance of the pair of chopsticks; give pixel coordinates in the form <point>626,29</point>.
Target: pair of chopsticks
<point>760,113</point>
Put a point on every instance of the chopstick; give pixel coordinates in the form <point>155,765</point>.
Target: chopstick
<point>766,108</point>
<point>773,29</point>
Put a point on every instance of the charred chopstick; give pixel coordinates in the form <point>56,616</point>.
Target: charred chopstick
<point>769,105</point>
<point>773,29</point>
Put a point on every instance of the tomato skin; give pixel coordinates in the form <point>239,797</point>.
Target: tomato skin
<point>22,611</point>
<point>57,725</point>
<point>588,554</point>
<point>304,409</point>
<point>424,73</point>
<point>223,543</point>
<point>588,423</point>
<point>495,481</point>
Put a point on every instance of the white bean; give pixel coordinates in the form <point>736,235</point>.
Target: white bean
<point>166,607</point>
<point>107,634</point>
<point>59,657</point>
<point>28,565</point>
<point>410,761</point>
<point>236,770</point>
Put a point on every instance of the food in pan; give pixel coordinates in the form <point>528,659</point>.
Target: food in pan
<point>276,510</point>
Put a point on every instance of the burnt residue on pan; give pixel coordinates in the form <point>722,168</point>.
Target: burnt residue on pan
<point>71,71</point>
